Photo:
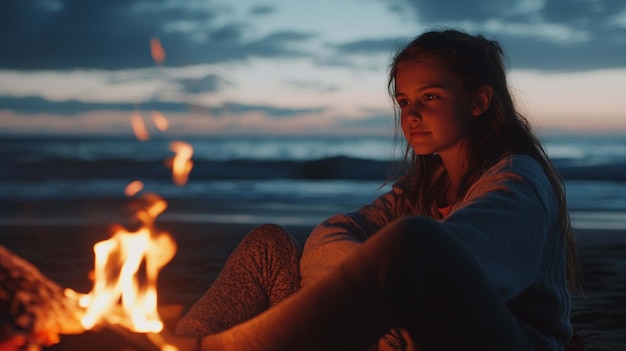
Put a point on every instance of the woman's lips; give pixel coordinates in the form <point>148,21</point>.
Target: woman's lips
<point>419,133</point>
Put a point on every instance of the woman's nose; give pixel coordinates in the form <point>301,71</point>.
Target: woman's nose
<point>414,114</point>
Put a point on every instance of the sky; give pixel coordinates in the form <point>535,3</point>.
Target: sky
<point>76,67</point>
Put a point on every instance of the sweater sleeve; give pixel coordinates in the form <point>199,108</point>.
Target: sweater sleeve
<point>336,238</point>
<point>505,220</point>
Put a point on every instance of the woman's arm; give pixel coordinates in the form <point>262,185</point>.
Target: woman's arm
<point>336,238</point>
<point>509,219</point>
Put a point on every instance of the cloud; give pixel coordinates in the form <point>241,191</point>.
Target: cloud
<point>311,85</point>
<point>556,35</point>
<point>372,122</point>
<point>115,34</point>
<point>32,105</point>
<point>368,46</point>
<point>270,111</point>
<point>451,10</point>
<point>71,34</point>
<point>547,32</point>
<point>36,105</point>
<point>262,9</point>
<point>207,84</point>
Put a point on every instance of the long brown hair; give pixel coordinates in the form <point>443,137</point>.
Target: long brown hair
<point>501,129</point>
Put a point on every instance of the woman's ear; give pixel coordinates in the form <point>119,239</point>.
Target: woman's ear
<point>482,100</point>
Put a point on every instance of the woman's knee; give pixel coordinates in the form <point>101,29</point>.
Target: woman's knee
<point>271,241</point>
<point>271,235</point>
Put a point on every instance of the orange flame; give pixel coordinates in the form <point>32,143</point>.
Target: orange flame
<point>157,51</point>
<point>126,270</point>
<point>127,265</point>
<point>181,163</point>
<point>133,188</point>
<point>139,127</point>
<point>159,120</point>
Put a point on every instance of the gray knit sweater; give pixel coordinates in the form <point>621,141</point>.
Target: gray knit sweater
<point>509,218</point>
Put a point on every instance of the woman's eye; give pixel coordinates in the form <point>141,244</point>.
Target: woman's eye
<point>430,97</point>
<point>403,103</point>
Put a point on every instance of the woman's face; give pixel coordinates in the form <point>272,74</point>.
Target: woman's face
<point>436,111</point>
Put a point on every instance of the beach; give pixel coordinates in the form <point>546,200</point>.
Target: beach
<point>63,252</point>
<point>60,196</point>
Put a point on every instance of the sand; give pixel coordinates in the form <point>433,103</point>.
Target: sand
<point>599,316</point>
<point>64,254</point>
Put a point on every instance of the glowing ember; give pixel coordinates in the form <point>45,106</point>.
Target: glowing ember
<point>181,163</point>
<point>133,188</point>
<point>159,120</point>
<point>139,127</point>
<point>157,51</point>
<point>126,270</point>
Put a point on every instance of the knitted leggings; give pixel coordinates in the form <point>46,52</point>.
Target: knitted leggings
<point>262,271</point>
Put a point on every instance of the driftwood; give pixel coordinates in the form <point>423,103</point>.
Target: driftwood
<point>32,305</point>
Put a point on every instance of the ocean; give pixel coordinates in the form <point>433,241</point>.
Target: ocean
<point>288,180</point>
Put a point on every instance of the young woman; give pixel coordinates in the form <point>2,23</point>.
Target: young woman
<point>471,249</point>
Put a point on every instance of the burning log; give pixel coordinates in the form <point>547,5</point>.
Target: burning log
<point>33,308</point>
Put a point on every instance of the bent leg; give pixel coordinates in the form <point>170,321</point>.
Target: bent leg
<point>384,284</point>
<point>437,290</point>
<point>261,271</point>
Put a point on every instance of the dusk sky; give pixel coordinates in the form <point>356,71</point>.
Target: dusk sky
<point>289,66</point>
